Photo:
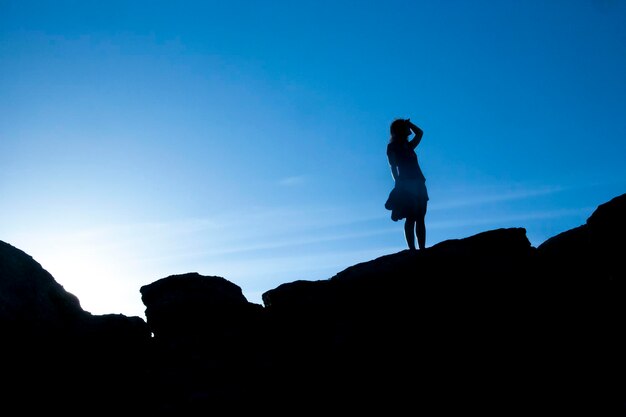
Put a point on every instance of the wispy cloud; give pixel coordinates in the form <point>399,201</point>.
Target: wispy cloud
<point>292,181</point>
<point>509,219</point>
<point>221,234</point>
<point>475,197</point>
<point>218,250</point>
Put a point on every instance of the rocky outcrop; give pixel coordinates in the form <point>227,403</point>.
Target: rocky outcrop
<point>208,347</point>
<point>594,249</point>
<point>486,324</point>
<point>58,357</point>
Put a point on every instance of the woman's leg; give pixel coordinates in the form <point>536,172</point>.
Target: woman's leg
<point>420,228</point>
<point>409,226</point>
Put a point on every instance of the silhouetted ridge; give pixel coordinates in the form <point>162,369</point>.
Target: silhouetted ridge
<point>58,357</point>
<point>486,324</point>
<point>595,249</point>
<point>30,295</point>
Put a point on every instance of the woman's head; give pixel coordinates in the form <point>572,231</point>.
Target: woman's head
<point>399,129</point>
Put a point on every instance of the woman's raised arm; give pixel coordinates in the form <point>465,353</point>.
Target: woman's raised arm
<point>417,132</point>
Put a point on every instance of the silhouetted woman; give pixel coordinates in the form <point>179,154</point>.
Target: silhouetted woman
<point>409,197</point>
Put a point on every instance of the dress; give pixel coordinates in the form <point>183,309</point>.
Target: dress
<point>409,196</point>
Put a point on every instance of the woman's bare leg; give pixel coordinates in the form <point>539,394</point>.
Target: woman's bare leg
<point>409,226</point>
<point>420,229</point>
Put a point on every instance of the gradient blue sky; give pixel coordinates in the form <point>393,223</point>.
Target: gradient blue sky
<point>140,139</point>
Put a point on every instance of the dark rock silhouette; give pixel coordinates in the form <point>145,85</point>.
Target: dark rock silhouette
<point>56,356</point>
<point>487,324</point>
<point>207,344</point>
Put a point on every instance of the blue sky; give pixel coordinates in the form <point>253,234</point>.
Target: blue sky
<point>247,139</point>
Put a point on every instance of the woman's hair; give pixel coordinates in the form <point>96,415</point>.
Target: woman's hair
<point>397,129</point>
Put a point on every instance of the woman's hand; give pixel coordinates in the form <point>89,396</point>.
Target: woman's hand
<point>416,131</point>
